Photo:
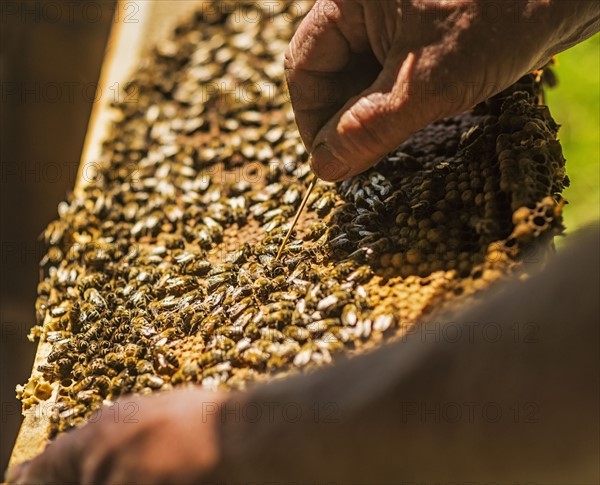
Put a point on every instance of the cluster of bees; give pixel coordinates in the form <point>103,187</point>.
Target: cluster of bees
<point>161,268</point>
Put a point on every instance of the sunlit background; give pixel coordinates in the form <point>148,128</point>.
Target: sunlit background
<point>575,105</point>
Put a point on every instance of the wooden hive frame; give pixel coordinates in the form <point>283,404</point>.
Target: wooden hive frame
<point>137,26</point>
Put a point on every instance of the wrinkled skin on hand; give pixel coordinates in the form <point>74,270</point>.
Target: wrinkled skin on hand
<point>165,438</point>
<point>365,74</point>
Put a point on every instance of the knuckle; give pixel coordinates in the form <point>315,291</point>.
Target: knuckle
<point>372,115</point>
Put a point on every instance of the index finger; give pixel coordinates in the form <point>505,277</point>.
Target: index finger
<point>328,61</point>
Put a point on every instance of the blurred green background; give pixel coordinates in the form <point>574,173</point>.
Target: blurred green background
<point>575,105</point>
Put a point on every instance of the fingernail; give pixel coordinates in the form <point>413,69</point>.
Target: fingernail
<point>327,166</point>
<point>13,473</point>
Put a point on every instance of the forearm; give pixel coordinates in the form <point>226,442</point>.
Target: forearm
<point>569,22</point>
<point>550,25</point>
<point>514,33</point>
<point>490,406</point>
<point>390,60</point>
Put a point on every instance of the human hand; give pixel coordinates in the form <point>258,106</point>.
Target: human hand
<point>170,438</point>
<point>365,74</point>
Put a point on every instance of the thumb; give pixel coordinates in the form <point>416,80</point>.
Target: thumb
<point>59,463</point>
<point>372,124</point>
